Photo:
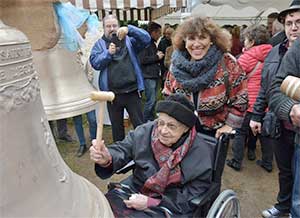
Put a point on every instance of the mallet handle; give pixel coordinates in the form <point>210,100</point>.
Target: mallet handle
<point>101,96</point>
<point>100,122</point>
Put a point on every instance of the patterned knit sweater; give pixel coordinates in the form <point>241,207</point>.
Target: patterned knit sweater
<point>214,107</point>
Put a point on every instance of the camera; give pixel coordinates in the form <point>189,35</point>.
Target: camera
<point>115,40</point>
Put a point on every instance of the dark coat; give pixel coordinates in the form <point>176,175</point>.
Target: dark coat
<point>270,69</point>
<point>277,38</point>
<point>162,46</point>
<point>150,62</point>
<point>280,103</point>
<point>196,168</point>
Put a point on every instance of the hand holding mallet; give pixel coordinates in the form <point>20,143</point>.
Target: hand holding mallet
<point>99,154</point>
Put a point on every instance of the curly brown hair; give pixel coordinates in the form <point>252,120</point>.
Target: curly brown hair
<point>202,25</point>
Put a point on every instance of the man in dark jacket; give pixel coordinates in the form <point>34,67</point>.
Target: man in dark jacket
<point>276,29</point>
<point>150,62</point>
<point>163,44</point>
<point>289,110</point>
<point>164,152</point>
<point>115,56</point>
<point>284,148</point>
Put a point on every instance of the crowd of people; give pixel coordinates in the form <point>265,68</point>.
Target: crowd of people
<point>213,80</point>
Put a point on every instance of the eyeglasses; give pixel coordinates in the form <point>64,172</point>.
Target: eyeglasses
<point>170,126</point>
<point>114,26</point>
<point>289,24</point>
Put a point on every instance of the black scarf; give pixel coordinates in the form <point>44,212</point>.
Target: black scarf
<point>195,75</point>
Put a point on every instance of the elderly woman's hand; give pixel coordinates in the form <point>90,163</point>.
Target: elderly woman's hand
<point>223,129</point>
<point>99,153</point>
<point>137,201</point>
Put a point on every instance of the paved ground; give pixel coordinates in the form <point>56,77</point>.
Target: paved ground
<point>256,188</point>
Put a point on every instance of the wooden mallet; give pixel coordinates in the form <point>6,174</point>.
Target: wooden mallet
<point>291,87</point>
<point>102,97</point>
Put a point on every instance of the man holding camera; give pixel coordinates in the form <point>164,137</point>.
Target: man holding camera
<point>115,56</point>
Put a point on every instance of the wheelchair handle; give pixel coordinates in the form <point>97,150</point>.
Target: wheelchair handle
<point>227,135</point>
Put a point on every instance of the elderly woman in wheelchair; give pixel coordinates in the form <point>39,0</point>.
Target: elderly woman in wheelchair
<point>173,164</point>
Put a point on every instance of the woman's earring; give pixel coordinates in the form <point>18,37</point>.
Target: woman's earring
<point>211,43</point>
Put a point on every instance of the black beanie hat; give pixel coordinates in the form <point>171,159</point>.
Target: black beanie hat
<point>178,107</point>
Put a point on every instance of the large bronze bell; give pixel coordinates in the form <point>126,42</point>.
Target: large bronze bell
<point>34,180</point>
<point>65,88</point>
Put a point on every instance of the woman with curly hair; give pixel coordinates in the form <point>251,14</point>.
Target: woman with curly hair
<point>208,75</point>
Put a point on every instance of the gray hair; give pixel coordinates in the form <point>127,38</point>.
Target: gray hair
<point>277,27</point>
<point>110,16</point>
<point>257,33</point>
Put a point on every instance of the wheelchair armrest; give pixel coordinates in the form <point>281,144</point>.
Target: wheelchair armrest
<point>126,168</point>
<point>212,192</point>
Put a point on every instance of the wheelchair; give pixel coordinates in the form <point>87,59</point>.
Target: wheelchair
<point>226,205</point>
<point>212,204</point>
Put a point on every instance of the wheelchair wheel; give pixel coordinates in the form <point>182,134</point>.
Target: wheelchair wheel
<point>226,205</point>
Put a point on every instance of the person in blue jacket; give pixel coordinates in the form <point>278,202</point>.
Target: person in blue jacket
<point>115,56</point>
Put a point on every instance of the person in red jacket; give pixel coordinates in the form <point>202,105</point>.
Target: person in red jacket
<point>252,61</point>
